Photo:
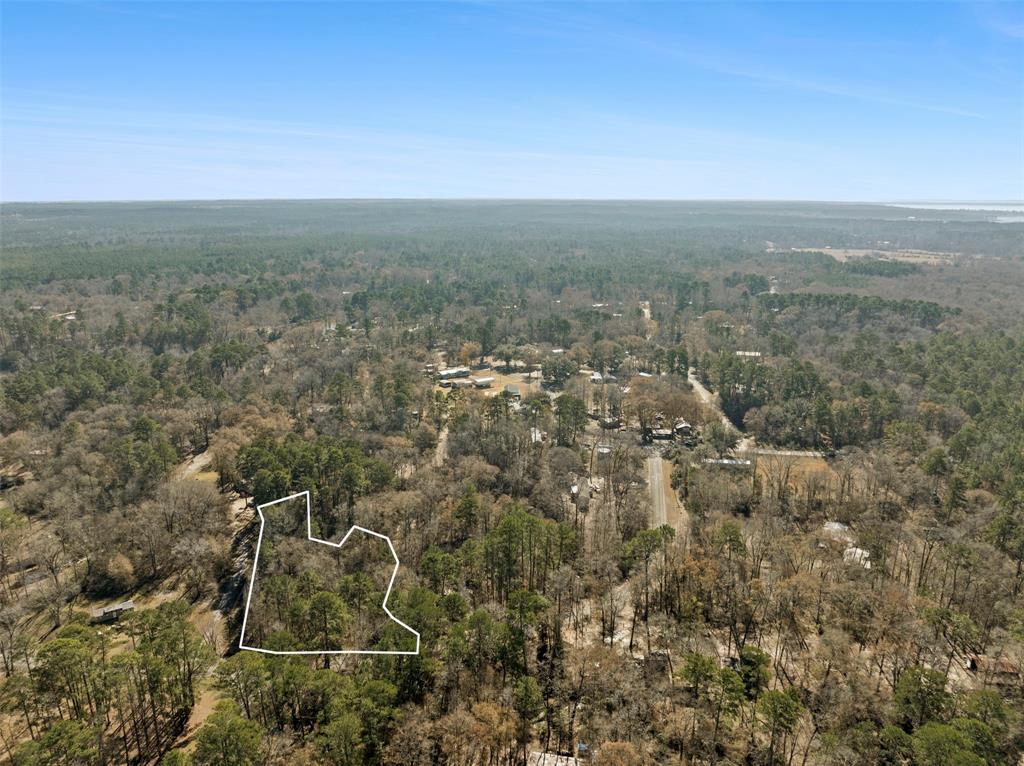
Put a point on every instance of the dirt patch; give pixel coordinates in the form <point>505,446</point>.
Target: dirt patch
<point>798,472</point>
<point>676,515</point>
<point>207,701</point>
<point>923,257</point>
<point>522,380</point>
<point>194,465</point>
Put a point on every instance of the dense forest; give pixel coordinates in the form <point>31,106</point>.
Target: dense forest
<point>669,483</point>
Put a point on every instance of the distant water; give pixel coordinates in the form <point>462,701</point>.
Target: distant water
<point>971,207</point>
<point>1000,207</point>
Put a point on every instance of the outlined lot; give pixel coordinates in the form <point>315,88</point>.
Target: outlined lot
<point>310,536</point>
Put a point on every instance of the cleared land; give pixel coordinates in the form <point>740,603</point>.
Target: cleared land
<point>923,257</point>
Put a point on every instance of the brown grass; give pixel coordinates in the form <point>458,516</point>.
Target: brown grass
<point>923,257</point>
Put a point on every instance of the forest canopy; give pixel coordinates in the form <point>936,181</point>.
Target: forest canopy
<point>734,483</point>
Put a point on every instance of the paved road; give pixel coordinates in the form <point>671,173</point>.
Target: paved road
<point>659,511</point>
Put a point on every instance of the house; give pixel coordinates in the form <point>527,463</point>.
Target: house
<point>837,531</point>
<point>453,372</point>
<point>663,434</point>
<point>512,390</point>
<point>999,671</point>
<point>728,462</point>
<point>854,555</point>
<point>596,377</point>
<point>483,382</point>
<point>749,354</point>
<point>113,612</point>
<point>609,423</point>
<point>682,428</point>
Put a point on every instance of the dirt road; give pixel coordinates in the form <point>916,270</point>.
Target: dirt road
<point>666,507</point>
<point>707,398</point>
<point>655,475</point>
<point>746,443</point>
<point>783,452</point>
<point>441,451</point>
<point>194,466</point>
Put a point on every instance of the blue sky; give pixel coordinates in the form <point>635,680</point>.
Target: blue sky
<point>872,101</point>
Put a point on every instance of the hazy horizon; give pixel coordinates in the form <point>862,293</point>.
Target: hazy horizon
<point>950,204</point>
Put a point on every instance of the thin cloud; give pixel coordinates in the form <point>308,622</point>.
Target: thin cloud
<point>690,52</point>
<point>1005,19</point>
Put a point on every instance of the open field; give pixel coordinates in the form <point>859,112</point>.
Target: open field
<point>922,257</point>
<point>522,381</point>
<point>799,470</point>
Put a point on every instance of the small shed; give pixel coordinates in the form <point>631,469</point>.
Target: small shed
<point>113,612</point>
<point>683,428</point>
<point>854,555</point>
<point>552,759</point>
<point>999,671</point>
<point>837,531</point>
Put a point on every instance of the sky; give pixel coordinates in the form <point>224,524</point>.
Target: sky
<point>824,101</point>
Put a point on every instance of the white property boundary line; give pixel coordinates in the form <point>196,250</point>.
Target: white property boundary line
<point>309,535</point>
